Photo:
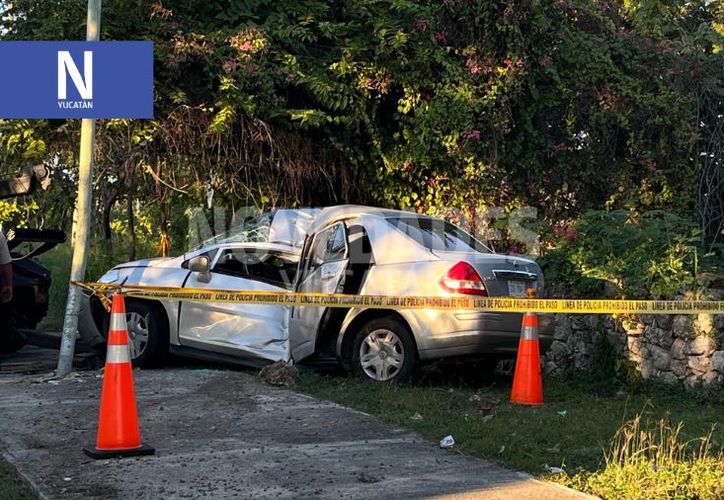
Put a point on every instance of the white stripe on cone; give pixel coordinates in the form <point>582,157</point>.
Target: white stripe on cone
<point>529,333</point>
<point>118,322</point>
<point>118,354</point>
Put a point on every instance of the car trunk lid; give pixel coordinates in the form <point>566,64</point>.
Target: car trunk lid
<point>33,241</point>
<point>503,275</point>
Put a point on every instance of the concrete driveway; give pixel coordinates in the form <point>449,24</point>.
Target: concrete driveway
<point>221,434</point>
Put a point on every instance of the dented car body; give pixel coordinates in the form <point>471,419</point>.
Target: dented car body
<point>344,249</point>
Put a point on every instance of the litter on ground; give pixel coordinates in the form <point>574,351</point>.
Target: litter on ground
<point>447,442</point>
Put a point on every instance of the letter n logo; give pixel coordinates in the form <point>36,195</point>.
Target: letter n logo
<point>67,67</point>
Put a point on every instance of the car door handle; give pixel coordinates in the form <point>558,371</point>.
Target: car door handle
<point>328,276</point>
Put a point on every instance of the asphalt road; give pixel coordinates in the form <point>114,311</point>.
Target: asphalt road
<point>222,433</point>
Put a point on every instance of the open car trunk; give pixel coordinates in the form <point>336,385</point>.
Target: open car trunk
<point>38,242</point>
<point>31,281</point>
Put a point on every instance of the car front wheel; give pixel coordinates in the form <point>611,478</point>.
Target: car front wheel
<point>147,334</point>
<point>383,350</point>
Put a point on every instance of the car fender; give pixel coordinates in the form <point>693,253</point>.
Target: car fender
<point>152,276</point>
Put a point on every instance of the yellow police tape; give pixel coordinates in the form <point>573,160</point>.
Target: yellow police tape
<point>486,304</point>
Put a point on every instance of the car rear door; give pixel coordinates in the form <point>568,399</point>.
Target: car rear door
<point>243,330</point>
<point>322,270</point>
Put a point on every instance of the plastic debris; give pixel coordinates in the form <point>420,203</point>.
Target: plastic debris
<point>447,442</point>
<point>416,416</point>
<point>488,418</point>
<point>52,379</point>
<point>553,470</point>
<point>501,450</point>
<point>563,413</point>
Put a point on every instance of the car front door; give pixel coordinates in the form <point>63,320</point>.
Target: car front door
<point>322,271</point>
<point>247,331</point>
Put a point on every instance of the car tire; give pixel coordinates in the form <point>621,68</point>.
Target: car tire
<point>147,334</point>
<point>383,350</point>
<point>10,339</point>
<point>11,342</point>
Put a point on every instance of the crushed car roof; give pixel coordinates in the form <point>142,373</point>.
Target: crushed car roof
<point>339,212</point>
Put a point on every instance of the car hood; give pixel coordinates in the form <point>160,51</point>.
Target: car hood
<point>156,262</point>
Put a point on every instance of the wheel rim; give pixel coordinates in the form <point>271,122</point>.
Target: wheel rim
<point>137,333</point>
<point>381,354</point>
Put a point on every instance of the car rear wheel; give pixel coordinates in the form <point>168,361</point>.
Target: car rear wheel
<point>147,334</point>
<point>383,350</point>
<point>11,340</point>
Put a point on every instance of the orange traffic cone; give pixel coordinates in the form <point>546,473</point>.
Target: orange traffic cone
<point>118,431</point>
<point>527,381</point>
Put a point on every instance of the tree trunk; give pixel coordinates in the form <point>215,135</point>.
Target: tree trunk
<point>106,223</point>
<point>84,204</point>
<point>164,245</point>
<point>131,228</point>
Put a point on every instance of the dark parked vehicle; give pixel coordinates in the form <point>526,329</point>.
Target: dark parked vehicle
<point>31,281</point>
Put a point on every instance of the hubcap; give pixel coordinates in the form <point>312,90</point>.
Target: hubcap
<point>381,354</point>
<point>137,333</point>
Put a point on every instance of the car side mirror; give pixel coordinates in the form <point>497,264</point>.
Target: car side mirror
<point>201,265</point>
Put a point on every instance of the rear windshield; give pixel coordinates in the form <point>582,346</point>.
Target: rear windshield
<point>437,234</point>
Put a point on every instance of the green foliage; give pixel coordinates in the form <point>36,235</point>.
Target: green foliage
<point>565,279</point>
<point>609,370</point>
<point>565,106</point>
<point>654,254</point>
<point>603,358</point>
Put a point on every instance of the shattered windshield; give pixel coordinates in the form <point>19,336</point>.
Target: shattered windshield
<point>284,226</point>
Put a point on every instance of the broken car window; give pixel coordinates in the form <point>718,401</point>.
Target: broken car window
<point>269,267</point>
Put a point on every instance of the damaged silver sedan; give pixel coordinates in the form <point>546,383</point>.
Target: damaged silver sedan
<point>343,249</point>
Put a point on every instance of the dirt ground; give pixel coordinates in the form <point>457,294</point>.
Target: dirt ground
<point>220,433</point>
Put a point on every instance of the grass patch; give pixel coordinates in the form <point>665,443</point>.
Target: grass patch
<point>12,485</point>
<point>573,430</point>
<point>58,261</point>
<point>653,461</point>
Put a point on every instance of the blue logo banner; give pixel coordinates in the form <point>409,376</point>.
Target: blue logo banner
<point>76,80</point>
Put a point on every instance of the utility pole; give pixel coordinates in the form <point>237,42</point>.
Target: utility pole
<point>83,210</point>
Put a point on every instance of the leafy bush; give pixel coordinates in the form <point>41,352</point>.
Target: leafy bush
<point>654,254</point>
<point>563,105</point>
<point>564,279</point>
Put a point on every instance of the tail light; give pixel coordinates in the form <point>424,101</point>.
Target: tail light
<point>463,278</point>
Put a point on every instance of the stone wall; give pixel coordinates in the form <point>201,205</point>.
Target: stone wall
<point>674,349</point>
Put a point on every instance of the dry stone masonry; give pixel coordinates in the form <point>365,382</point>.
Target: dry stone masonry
<point>674,349</point>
